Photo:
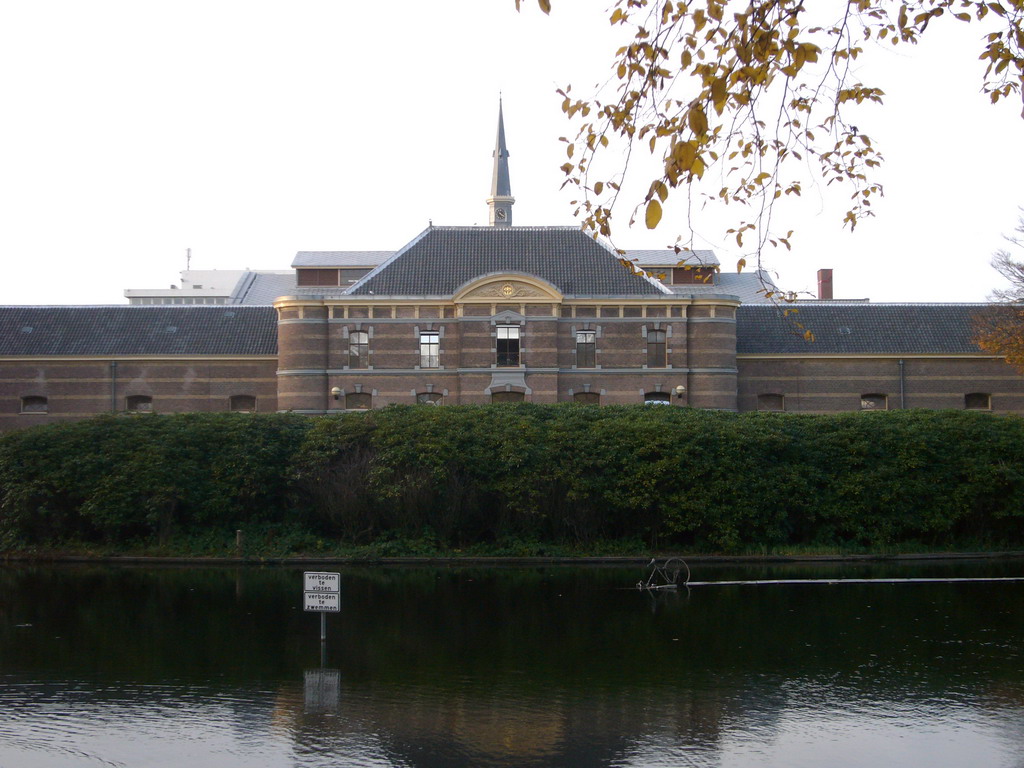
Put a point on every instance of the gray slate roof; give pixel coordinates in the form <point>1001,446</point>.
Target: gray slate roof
<point>443,259</point>
<point>666,257</point>
<point>748,287</point>
<point>138,330</point>
<point>340,258</point>
<point>263,287</point>
<point>857,329</point>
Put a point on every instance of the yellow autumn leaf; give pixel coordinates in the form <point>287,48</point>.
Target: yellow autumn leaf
<point>719,93</point>
<point>653,216</point>
<point>684,153</point>
<point>545,5</point>
<point>698,121</point>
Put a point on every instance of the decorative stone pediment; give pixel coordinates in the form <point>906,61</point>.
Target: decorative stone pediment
<point>497,288</point>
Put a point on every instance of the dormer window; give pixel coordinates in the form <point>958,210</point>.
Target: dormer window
<point>312,277</point>
<point>693,275</point>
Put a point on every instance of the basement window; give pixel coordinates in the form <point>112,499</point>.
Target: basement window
<point>429,398</point>
<point>657,398</point>
<point>507,397</point>
<point>34,404</point>
<point>978,401</point>
<point>358,401</point>
<point>139,404</point>
<point>243,403</point>
<point>587,398</point>
<point>874,402</point>
<point>771,402</point>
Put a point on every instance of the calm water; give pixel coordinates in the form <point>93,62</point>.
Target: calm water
<point>105,666</point>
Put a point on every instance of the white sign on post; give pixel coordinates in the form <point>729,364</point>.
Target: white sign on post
<point>322,592</point>
<point>319,581</point>
<point>322,602</point>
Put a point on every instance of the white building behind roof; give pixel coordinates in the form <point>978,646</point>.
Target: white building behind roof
<point>217,286</point>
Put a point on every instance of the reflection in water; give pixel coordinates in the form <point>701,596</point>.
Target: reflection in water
<point>322,691</point>
<point>515,667</point>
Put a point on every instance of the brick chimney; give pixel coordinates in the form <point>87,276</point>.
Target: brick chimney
<point>824,284</point>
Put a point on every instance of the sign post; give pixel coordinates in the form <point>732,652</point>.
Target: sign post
<point>321,593</point>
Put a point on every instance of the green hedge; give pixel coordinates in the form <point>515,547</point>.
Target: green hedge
<point>671,477</point>
<point>117,478</point>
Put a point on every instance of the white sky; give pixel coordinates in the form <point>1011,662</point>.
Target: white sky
<point>249,130</point>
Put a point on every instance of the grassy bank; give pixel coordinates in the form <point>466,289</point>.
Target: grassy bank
<point>520,480</point>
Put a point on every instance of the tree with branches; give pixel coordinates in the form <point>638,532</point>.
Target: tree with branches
<point>743,104</point>
<point>999,329</point>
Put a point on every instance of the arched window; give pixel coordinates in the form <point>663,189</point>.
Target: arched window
<point>978,401</point>
<point>656,349</point>
<point>874,402</point>
<point>358,349</point>
<point>587,398</point>
<point>657,398</point>
<point>507,397</point>
<point>243,403</point>
<point>429,398</point>
<point>139,404</point>
<point>34,404</point>
<point>358,401</point>
<point>771,402</point>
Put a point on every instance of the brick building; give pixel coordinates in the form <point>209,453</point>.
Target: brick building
<point>490,314</point>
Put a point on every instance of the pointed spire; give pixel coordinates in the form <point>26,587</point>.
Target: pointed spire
<point>501,200</point>
<point>500,185</point>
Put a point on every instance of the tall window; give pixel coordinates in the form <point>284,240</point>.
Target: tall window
<point>586,345</point>
<point>430,349</point>
<point>243,403</point>
<point>655,349</point>
<point>34,404</point>
<point>508,344</point>
<point>874,402</point>
<point>139,403</point>
<point>358,349</point>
